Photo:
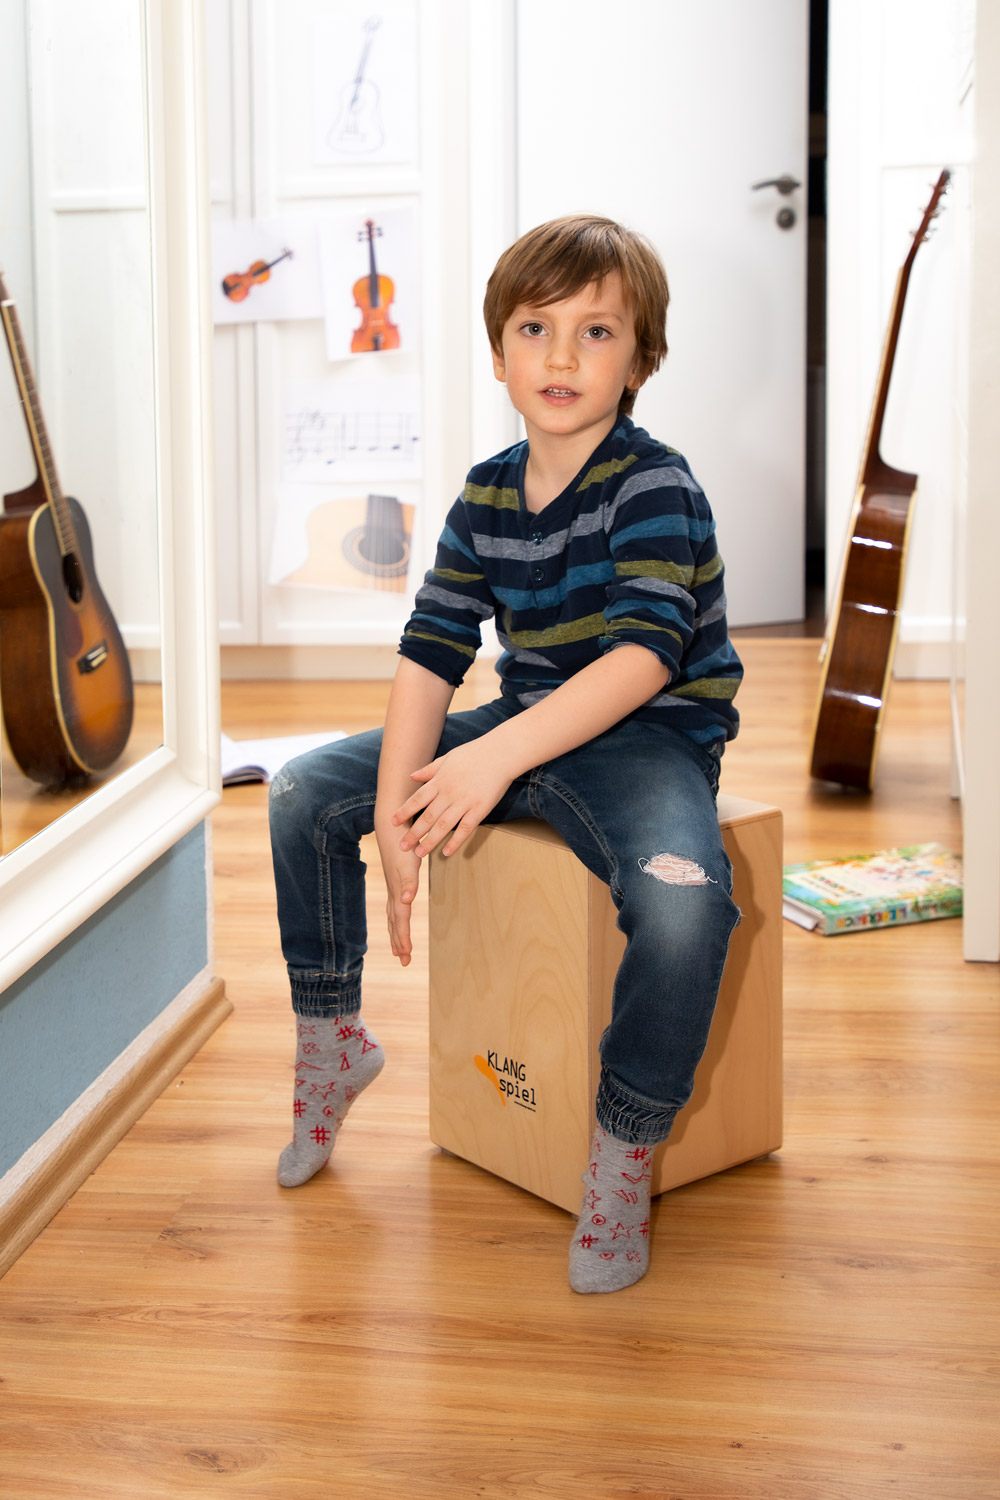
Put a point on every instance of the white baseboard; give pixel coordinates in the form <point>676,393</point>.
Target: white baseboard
<point>923,661</point>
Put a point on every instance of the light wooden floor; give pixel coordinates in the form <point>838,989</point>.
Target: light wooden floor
<point>821,1325</point>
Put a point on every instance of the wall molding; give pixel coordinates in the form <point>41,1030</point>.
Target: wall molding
<point>50,1171</point>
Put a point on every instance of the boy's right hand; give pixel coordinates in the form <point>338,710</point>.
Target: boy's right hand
<point>402,878</point>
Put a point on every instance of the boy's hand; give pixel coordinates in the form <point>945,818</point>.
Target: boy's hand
<point>458,791</point>
<point>402,878</point>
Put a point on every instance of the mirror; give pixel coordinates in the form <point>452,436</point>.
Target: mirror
<point>80,617</point>
<point>70,868</point>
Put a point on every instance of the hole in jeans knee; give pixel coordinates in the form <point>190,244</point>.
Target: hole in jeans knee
<point>672,869</point>
<point>281,784</point>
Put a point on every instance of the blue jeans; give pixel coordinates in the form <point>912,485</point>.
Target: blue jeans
<point>636,792</point>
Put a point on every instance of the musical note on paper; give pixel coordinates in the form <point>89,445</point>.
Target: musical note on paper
<point>336,431</point>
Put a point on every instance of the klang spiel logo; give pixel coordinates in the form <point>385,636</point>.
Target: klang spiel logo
<point>509,1078</point>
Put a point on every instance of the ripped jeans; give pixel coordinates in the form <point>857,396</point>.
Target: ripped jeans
<point>634,793</point>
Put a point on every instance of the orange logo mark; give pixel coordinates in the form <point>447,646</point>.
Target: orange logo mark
<point>488,1072</point>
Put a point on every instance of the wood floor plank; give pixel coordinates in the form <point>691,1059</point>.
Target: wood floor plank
<point>819,1325</point>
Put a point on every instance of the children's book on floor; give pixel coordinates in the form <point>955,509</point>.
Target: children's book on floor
<point>915,883</point>
<point>258,760</point>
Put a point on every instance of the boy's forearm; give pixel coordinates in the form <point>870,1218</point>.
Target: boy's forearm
<point>418,705</point>
<point>597,697</point>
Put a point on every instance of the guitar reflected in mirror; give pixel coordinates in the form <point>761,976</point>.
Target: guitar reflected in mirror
<point>65,679</point>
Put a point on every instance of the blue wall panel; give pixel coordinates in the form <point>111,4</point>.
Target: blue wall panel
<point>64,1021</point>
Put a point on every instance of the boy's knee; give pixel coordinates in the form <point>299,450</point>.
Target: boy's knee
<point>673,869</point>
<point>289,796</point>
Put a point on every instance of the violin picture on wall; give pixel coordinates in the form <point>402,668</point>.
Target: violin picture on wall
<point>238,285</point>
<point>267,270</point>
<point>369,250</point>
<point>373,295</point>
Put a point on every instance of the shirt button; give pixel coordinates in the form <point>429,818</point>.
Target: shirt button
<point>538,574</point>
<point>536,537</point>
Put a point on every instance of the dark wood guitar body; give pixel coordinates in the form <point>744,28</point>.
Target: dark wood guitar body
<point>65,680</point>
<point>861,634</point>
<point>64,671</point>
<point>859,658</point>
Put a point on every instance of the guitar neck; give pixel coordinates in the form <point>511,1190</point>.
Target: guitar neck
<point>37,431</point>
<point>873,467</point>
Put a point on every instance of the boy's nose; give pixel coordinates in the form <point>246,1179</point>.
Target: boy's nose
<point>561,354</point>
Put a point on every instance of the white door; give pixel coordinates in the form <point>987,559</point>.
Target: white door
<point>663,114</point>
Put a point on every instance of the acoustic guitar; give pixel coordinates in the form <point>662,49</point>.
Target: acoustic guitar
<point>861,633</point>
<point>65,681</point>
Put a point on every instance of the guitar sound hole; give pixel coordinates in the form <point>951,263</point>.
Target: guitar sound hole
<point>72,577</point>
<point>378,552</point>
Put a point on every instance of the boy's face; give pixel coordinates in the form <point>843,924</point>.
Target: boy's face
<point>565,365</point>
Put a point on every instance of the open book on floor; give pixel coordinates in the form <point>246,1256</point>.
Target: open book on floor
<point>911,884</point>
<point>258,760</point>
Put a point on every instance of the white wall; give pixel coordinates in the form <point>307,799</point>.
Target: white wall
<point>898,72</point>
<point>981,530</point>
<point>16,466</point>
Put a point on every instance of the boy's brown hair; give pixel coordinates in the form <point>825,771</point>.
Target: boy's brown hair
<point>558,259</point>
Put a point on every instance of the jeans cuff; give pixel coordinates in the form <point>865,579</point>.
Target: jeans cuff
<point>319,994</point>
<point>628,1116</point>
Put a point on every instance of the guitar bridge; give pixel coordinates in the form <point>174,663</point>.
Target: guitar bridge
<point>94,658</point>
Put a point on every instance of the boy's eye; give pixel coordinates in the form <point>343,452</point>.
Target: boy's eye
<point>597,332</point>
<point>533,328</point>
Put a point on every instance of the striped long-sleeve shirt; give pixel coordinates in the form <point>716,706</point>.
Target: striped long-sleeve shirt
<point>626,554</point>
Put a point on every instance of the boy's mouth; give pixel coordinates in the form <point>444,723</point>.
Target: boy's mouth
<point>558,392</point>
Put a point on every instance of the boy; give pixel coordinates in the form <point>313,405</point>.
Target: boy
<point>594,548</point>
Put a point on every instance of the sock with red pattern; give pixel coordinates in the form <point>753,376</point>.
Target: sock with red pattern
<point>610,1248</point>
<point>336,1058</point>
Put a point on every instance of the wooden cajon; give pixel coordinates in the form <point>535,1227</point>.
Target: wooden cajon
<point>523,952</point>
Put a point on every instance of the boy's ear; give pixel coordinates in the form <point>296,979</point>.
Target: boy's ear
<point>499,368</point>
<point>637,376</point>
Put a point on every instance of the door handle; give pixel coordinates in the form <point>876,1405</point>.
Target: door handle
<point>785,184</point>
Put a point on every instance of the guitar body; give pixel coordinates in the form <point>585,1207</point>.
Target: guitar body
<point>858,661</point>
<point>67,685</point>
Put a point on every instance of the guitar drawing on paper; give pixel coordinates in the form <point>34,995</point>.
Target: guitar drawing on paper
<point>358,126</point>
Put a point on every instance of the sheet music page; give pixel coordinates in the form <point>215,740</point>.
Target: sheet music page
<point>337,431</point>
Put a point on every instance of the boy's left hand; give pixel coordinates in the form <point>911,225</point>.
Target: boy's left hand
<point>458,791</point>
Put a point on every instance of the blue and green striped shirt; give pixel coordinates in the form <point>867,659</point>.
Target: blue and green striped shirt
<point>626,554</point>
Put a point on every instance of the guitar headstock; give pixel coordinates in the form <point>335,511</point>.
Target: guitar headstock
<point>933,211</point>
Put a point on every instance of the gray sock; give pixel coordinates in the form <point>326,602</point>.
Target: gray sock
<point>610,1248</point>
<point>336,1058</point>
